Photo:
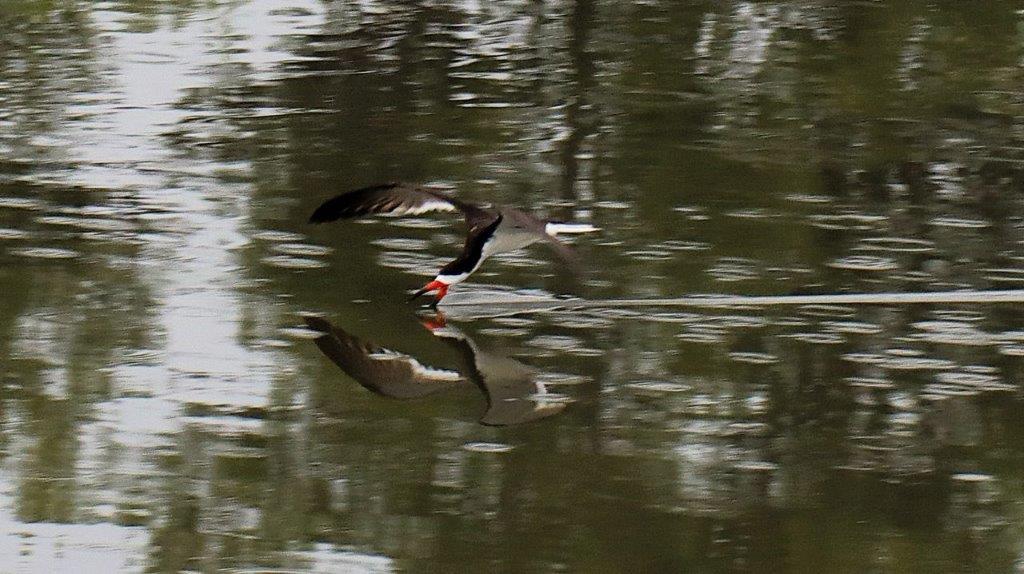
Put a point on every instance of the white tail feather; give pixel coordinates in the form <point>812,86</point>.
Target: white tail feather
<point>556,228</point>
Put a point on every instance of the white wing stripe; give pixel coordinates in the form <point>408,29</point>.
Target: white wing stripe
<point>432,205</point>
<point>418,368</point>
<point>434,374</point>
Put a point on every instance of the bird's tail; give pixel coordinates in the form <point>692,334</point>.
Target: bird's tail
<point>556,227</point>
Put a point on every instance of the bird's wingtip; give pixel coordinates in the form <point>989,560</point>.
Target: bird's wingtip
<point>317,323</point>
<point>322,214</point>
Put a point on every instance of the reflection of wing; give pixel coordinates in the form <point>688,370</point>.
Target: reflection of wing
<point>514,395</point>
<point>380,370</point>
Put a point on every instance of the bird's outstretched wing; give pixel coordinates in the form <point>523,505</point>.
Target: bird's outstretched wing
<point>392,199</point>
<point>554,228</point>
<point>569,257</point>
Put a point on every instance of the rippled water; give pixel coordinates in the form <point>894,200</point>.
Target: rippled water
<point>195,379</point>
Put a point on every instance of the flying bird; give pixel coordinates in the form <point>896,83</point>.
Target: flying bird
<point>492,230</point>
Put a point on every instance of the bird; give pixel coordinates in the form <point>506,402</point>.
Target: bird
<point>491,229</point>
<point>515,393</point>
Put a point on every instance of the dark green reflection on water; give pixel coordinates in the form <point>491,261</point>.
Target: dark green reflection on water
<point>164,406</point>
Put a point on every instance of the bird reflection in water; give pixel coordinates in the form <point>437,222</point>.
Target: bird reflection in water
<point>513,391</point>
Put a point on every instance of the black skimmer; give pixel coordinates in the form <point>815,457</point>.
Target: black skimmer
<point>492,230</point>
<point>512,390</point>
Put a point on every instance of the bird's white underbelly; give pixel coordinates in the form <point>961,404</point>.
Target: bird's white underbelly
<point>500,242</point>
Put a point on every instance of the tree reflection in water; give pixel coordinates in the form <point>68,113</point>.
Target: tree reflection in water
<point>161,410</point>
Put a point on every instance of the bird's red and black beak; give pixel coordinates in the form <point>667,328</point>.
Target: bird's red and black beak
<point>441,288</point>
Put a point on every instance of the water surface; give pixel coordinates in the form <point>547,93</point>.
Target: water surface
<point>166,407</point>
